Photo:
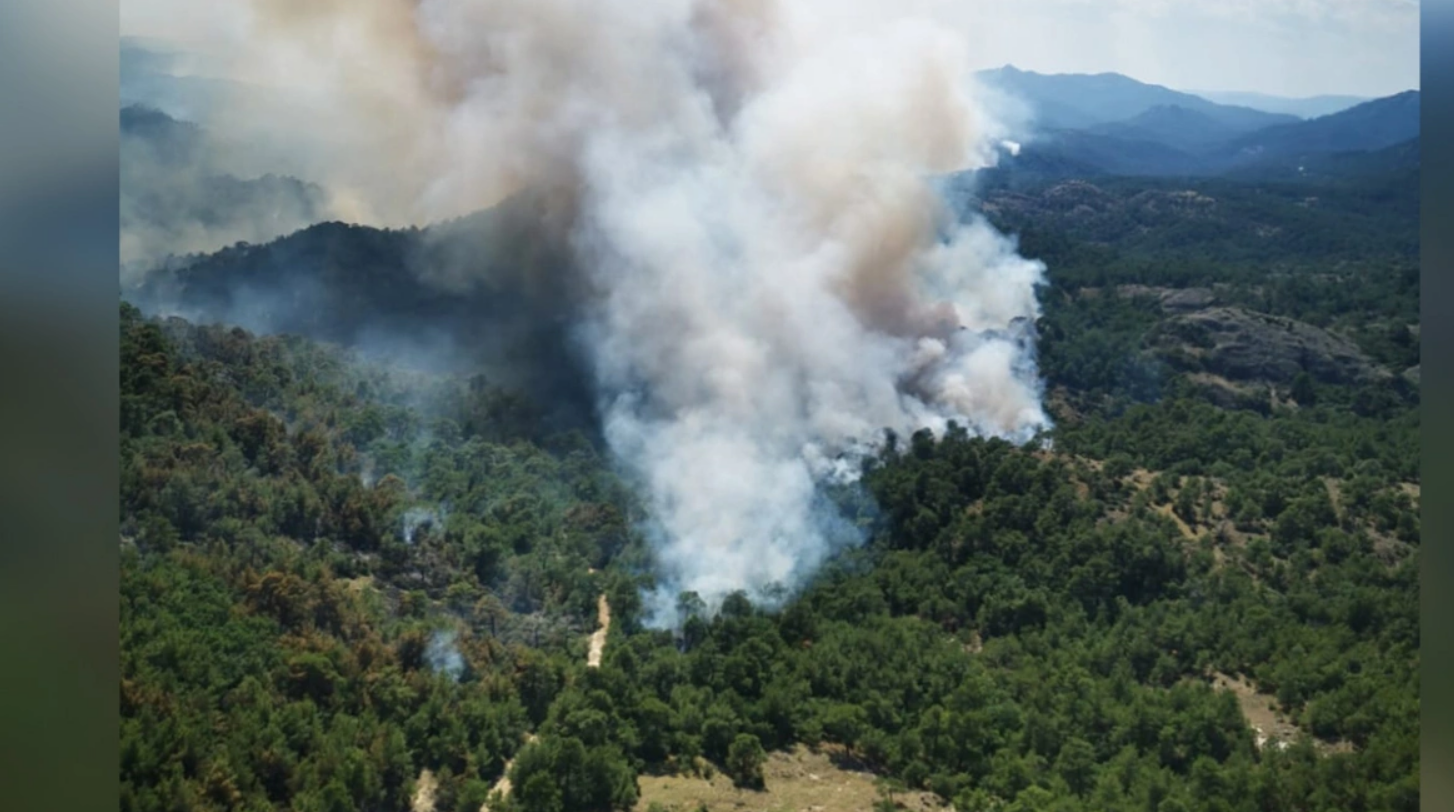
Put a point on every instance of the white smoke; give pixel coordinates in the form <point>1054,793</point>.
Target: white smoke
<point>769,277</point>
<point>416,518</point>
<point>443,655</point>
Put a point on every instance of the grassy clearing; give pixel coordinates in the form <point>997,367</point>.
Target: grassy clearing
<point>802,780</point>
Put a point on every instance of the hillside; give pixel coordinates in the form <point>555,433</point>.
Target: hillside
<point>1081,101</point>
<point>1017,615</point>
<point>1171,125</point>
<point>344,572</point>
<point>484,294</point>
<point>1127,152</point>
<point>1304,107</point>
<point>1304,221</point>
<point>1373,125</point>
<point>1126,128</point>
<point>1398,163</point>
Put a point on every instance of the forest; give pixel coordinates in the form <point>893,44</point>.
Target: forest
<point>339,576</point>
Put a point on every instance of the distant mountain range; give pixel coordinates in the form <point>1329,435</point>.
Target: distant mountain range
<point>1109,124</point>
<point>489,287</point>
<point>1080,101</point>
<point>177,199</point>
<point>1373,125</point>
<point>1307,107</point>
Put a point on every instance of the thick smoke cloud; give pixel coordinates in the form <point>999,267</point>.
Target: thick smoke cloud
<point>766,275</point>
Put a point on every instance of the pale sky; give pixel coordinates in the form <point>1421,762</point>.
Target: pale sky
<point>1280,47</point>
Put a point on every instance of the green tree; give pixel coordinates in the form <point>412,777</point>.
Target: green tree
<point>540,793</point>
<point>745,759</point>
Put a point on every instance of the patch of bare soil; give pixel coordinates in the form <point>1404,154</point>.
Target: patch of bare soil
<point>1270,726</point>
<point>359,585</point>
<point>1391,551</point>
<point>803,780</point>
<point>424,790</point>
<point>502,787</point>
<point>1335,497</point>
<point>1165,510</point>
<point>598,638</point>
<point>1141,478</point>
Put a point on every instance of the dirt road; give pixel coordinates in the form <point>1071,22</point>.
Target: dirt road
<point>598,638</point>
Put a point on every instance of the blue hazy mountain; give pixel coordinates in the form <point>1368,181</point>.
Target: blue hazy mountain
<point>1304,107</point>
<point>1080,101</point>
<point>1371,126</point>
<point>1171,125</point>
<point>1083,125</point>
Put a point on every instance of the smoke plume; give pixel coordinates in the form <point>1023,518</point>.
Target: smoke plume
<point>765,277</point>
<point>443,655</point>
<point>416,518</point>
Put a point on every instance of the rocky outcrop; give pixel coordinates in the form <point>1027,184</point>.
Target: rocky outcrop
<point>1172,300</point>
<point>1242,345</point>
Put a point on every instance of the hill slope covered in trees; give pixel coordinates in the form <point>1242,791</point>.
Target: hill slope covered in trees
<point>339,573</point>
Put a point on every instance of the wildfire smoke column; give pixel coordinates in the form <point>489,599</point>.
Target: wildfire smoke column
<point>765,278</point>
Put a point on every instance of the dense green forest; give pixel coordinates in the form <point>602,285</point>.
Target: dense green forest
<point>338,575</point>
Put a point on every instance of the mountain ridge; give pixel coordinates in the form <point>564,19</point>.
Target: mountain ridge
<point>1080,100</point>
<point>1301,106</point>
<point>1169,138</point>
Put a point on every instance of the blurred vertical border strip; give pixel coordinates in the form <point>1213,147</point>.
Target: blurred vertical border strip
<point>1437,332</point>
<point>58,414</point>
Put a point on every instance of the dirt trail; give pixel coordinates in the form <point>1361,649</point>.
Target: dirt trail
<point>593,660</point>
<point>503,785</point>
<point>1181,525</point>
<point>598,638</point>
<point>424,790</point>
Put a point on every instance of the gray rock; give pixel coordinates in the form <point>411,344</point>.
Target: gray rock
<point>1172,300</point>
<point>1187,299</point>
<point>1241,345</point>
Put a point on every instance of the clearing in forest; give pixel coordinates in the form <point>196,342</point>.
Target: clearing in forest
<point>803,780</point>
<point>1268,724</point>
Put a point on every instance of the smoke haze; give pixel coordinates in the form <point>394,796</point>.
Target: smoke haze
<point>443,655</point>
<point>764,275</point>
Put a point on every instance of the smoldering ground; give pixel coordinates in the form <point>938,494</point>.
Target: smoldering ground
<point>738,237</point>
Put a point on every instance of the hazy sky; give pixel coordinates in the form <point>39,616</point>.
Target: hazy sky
<point>1282,47</point>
